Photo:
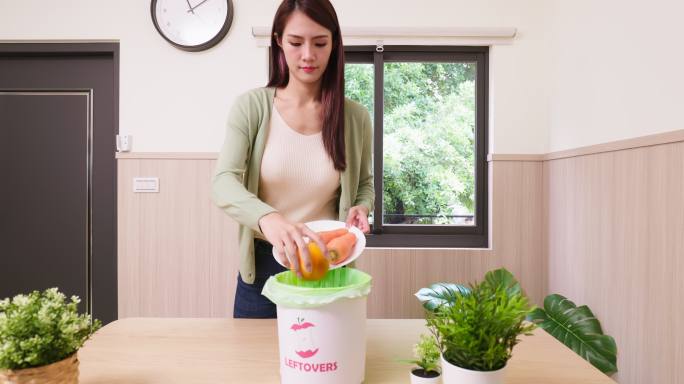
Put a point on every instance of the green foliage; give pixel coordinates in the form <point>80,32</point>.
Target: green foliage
<point>502,277</point>
<point>579,329</point>
<point>41,328</point>
<point>478,332</point>
<point>440,294</point>
<point>429,136</point>
<point>426,354</point>
<point>359,84</point>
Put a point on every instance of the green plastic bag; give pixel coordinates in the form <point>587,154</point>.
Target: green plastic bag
<point>287,290</point>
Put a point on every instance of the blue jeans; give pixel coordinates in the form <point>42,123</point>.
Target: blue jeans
<point>249,303</point>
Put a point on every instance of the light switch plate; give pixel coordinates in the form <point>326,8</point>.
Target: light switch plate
<point>146,184</point>
<point>123,143</point>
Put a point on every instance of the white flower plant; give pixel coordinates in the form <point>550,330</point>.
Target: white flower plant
<point>41,328</point>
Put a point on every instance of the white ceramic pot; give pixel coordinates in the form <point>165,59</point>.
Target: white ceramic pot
<point>415,379</point>
<point>452,374</point>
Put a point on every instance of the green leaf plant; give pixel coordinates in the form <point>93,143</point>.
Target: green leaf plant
<point>476,328</point>
<point>579,329</point>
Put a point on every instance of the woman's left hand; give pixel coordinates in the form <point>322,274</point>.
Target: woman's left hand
<point>358,217</point>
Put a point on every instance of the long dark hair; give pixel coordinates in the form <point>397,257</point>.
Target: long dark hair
<point>332,82</point>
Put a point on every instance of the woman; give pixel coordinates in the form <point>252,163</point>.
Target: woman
<point>304,151</point>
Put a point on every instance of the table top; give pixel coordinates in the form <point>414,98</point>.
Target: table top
<point>164,350</point>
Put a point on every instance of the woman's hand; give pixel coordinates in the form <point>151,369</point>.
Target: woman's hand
<point>358,217</point>
<point>287,237</point>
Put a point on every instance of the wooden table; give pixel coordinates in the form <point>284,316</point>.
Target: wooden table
<point>153,350</point>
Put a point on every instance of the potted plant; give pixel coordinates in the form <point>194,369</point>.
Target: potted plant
<point>476,328</point>
<point>426,361</point>
<point>40,334</point>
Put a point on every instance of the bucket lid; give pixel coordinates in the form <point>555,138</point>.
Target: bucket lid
<point>287,290</point>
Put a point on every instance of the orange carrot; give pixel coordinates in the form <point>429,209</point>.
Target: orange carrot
<point>326,236</point>
<point>340,248</point>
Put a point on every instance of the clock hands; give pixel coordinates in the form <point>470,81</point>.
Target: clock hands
<point>193,8</point>
<point>190,9</point>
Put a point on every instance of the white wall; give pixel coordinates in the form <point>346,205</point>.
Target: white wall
<point>174,101</point>
<point>616,71</point>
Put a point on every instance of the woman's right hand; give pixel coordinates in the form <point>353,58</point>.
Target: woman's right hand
<point>287,237</point>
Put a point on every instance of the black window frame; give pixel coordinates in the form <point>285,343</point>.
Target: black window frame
<point>422,235</point>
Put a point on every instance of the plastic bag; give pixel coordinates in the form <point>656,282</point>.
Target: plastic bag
<point>286,289</point>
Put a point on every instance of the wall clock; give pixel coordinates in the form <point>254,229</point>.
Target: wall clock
<point>192,25</point>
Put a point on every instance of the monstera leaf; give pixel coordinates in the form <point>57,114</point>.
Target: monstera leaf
<point>502,277</point>
<point>577,328</point>
<point>439,294</point>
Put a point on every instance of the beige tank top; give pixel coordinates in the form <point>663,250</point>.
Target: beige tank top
<point>297,176</point>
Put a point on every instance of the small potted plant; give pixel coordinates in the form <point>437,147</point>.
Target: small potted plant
<point>40,334</point>
<point>476,328</point>
<point>426,359</point>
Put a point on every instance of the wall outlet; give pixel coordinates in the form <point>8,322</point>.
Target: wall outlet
<point>123,143</point>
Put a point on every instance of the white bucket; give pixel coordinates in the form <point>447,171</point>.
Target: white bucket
<point>323,345</point>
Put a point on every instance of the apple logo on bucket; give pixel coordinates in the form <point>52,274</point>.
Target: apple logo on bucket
<point>305,341</point>
<point>306,348</point>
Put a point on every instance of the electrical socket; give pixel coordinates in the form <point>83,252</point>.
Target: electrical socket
<point>123,143</point>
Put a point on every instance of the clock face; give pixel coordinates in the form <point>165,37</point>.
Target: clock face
<point>192,25</point>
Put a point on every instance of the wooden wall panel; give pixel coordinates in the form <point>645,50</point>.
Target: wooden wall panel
<point>615,241</point>
<point>175,247</point>
<point>178,252</point>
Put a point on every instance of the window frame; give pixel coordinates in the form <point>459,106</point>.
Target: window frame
<point>426,235</point>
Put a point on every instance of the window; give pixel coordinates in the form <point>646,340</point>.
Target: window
<point>429,108</point>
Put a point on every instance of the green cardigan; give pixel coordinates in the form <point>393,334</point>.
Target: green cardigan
<point>235,184</point>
